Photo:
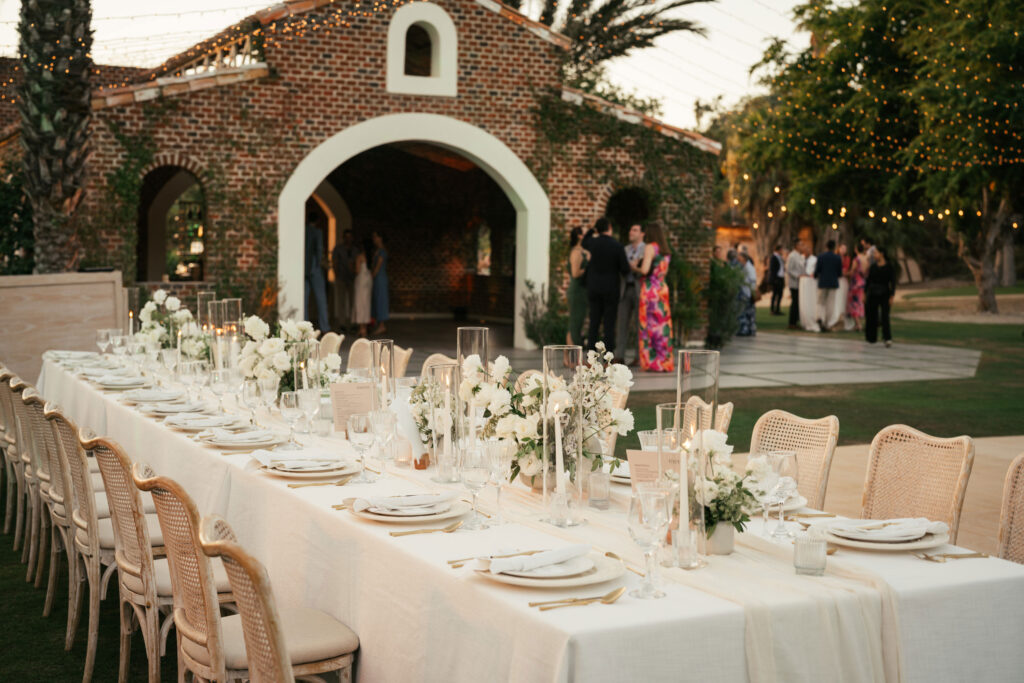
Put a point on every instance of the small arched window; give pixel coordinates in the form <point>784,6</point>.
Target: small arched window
<point>418,51</point>
<point>422,51</point>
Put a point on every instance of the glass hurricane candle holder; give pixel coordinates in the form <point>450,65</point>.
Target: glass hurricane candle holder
<point>470,342</point>
<point>443,393</point>
<point>697,399</point>
<point>382,370</point>
<point>562,434</point>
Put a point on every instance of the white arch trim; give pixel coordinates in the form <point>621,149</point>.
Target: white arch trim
<point>444,51</point>
<point>533,211</point>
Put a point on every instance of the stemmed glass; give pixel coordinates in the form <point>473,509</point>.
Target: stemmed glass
<point>118,344</point>
<point>648,522</point>
<point>360,435</point>
<point>384,424</point>
<point>219,385</point>
<point>251,398</point>
<point>235,381</point>
<point>499,452</point>
<point>103,340</point>
<point>169,358</point>
<point>785,465</point>
<point>291,412</point>
<point>200,376</point>
<point>268,391</point>
<point>186,375</point>
<point>476,472</point>
<point>309,402</point>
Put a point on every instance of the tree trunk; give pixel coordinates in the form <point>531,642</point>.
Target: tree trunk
<point>1009,275</point>
<point>979,252</point>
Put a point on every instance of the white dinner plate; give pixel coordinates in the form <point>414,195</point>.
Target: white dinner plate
<point>128,383</point>
<point>152,395</point>
<point>419,511</point>
<point>604,569</point>
<point>562,570</point>
<point>245,445</point>
<point>792,504</point>
<point>172,408</point>
<point>621,479</point>
<point>924,543</point>
<point>458,508</point>
<point>339,469</point>
<point>204,422</point>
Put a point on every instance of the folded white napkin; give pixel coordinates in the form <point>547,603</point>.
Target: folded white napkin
<point>887,530</point>
<point>119,381</point>
<point>200,421</point>
<point>528,562</point>
<point>292,459</point>
<point>426,501</point>
<point>144,395</point>
<point>175,408</point>
<point>254,436</point>
<point>93,373</point>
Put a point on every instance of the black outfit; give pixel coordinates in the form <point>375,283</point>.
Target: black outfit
<point>607,265</point>
<point>794,307</point>
<point>879,287</point>
<point>828,270</point>
<point>777,282</point>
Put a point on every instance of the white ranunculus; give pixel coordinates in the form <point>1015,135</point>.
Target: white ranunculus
<point>483,394</point>
<point>159,296</point>
<point>192,347</point>
<point>530,465</point>
<point>500,402</point>
<point>758,467</point>
<point>500,368</point>
<point>281,361</point>
<point>332,362</point>
<point>620,376</point>
<point>506,427</point>
<point>146,314</point>
<point>623,420</point>
<point>263,372</point>
<point>558,400</point>
<point>256,328</point>
<point>290,330</point>
<point>247,363</point>
<point>706,492</point>
<point>306,330</point>
<point>172,303</point>
<point>716,442</point>
<point>271,347</point>
<point>182,316</point>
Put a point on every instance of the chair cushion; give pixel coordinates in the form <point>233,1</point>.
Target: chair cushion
<point>163,578</point>
<point>106,533</point>
<point>309,634</point>
<point>103,505</point>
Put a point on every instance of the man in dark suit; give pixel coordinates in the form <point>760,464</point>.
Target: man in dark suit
<point>315,284</point>
<point>607,265</point>
<point>777,278</point>
<point>828,270</point>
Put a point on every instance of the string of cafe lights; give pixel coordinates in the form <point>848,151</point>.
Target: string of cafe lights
<point>883,216</point>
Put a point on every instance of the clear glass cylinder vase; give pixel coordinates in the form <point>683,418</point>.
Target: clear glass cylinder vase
<point>562,434</point>
<point>443,392</point>
<point>472,356</point>
<point>697,398</point>
<point>382,371</point>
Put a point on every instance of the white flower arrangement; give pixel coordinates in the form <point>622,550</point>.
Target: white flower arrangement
<point>160,318</point>
<point>727,496</point>
<point>265,356</point>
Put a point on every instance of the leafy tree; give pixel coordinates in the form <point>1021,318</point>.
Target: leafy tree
<point>16,236</point>
<point>53,101</point>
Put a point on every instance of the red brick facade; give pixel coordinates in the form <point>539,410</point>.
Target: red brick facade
<point>243,140</point>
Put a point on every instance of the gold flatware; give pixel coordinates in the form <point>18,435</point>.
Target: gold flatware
<point>345,504</point>
<point>605,600</point>
<point>832,550</point>
<point>370,469</point>
<point>794,516</point>
<point>875,527</point>
<point>616,557</point>
<point>567,600</point>
<point>339,482</point>
<point>455,564</point>
<point>480,512</point>
<point>446,530</point>
<point>944,557</point>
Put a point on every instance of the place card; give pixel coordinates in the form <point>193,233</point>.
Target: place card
<point>350,398</point>
<point>643,465</point>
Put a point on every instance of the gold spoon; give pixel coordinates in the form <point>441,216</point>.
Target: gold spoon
<point>455,564</point>
<point>606,600</point>
<point>616,557</point>
<point>568,600</point>
<point>448,529</point>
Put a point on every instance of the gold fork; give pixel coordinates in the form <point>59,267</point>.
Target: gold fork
<point>455,564</point>
<point>339,482</point>
<point>944,557</point>
<point>446,530</point>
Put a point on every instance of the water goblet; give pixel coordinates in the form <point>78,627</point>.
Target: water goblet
<point>291,412</point>
<point>118,344</point>
<point>476,472</point>
<point>268,391</point>
<point>309,402</point>
<point>169,358</point>
<point>499,452</point>
<point>219,385</point>
<point>384,424</point>
<point>785,488</point>
<point>251,397</point>
<point>201,377</point>
<point>648,521</point>
<point>186,375</point>
<point>235,381</point>
<point>103,340</point>
<point>360,435</point>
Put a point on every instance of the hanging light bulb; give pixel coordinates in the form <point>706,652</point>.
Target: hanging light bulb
<point>813,201</point>
<point>871,214</point>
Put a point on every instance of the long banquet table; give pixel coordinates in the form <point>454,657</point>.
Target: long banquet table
<point>419,620</point>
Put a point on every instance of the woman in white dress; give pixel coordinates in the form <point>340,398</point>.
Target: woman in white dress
<point>362,289</point>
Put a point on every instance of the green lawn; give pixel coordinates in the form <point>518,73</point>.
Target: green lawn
<point>989,404</point>
<point>966,290</point>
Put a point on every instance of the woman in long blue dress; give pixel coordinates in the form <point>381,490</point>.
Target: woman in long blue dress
<point>381,306</point>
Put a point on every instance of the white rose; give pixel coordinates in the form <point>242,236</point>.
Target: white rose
<point>758,467</point>
<point>506,427</point>
<point>500,368</point>
<point>256,328</point>
<point>281,361</point>
<point>306,330</point>
<point>159,296</point>
<point>558,400</point>
<point>526,427</point>
<point>145,315</point>
<point>172,303</point>
<point>271,347</point>
<point>620,376</point>
<point>247,364</point>
<point>530,466</point>
<point>290,330</point>
<point>182,316</point>
<point>332,362</point>
<point>263,372</point>
<point>623,420</point>
<point>500,402</point>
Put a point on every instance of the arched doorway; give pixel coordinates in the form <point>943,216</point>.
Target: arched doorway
<point>171,226</point>
<point>529,202</point>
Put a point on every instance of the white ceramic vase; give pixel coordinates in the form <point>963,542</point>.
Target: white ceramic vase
<point>722,540</point>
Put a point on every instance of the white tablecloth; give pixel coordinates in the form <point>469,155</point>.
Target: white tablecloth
<point>809,313</point>
<point>418,620</point>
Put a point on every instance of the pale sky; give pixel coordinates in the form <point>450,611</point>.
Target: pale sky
<point>679,70</point>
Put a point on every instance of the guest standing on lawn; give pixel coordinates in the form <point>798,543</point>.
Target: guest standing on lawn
<point>629,300</point>
<point>579,258</point>
<point>608,265</point>
<point>795,269</point>
<point>381,305</point>
<point>748,313</point>
<point>655,316</point>
<point>776,278</point>
<point>855,299</point>
<point>828,270</point>
<point>881,288</point>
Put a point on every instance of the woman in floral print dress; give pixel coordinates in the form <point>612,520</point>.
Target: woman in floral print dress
<point>655,317</point>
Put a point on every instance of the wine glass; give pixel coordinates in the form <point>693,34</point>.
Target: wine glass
<point>200,376</point>
<point>118,344</point>
<point>235,381</point>
<point>291,412</point>
<point>219,385</point>
<point>499,452</point>
<point>251,397</point>
<point>360,435</point>
<point>186,375</point>
<point>309,402</point>
<point>268,391</point>
<point>648,523</point>
<point>169,358</point>
<point>384,423</point>
<point>783,462</point>
<point>103,340</point>
<point>476,472</point>
<point>767,485</point>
